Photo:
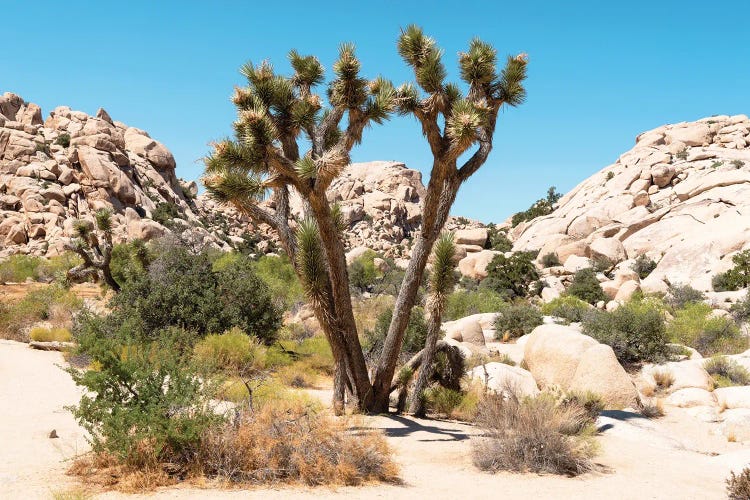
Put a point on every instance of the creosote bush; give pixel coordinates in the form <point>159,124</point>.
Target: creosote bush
<point>586,286</point>
<point>695,326</point>
<point>232,351</point>
<point>636,331</point>
<point>566,307</point>
<point>534,435</point>
<point>516,319</point>
<point>511,276</point>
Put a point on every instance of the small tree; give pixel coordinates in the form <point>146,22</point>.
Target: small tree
<point>441,283</point>
<point>275,112</point>
<point>95,248</point>
<point>511,276</point>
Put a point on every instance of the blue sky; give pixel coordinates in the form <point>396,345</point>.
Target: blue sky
<point>599,73</point>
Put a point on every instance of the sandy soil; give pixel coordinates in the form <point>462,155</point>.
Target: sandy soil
<point>674,457</point>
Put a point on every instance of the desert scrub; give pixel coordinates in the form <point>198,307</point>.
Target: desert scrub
<point>465,303</point>
<point>566,307</point>
<point>414,336</point>
<point>727,372</point>
<point>516,319</point>
<point>735,278</point>
<point>451,403</point>
<point>19,268</point>
<point>41,334</point>
<point>51,303</point>
<point>550,260</point>
<point>232,352</point>
<point>696,327</point>
<point>585,286</point>
<point>539,434</point>
<point>636,331</point>
<point>283,284</point>
<point>294,443</point>
<point>738,485</point>
<point>511,276</point>
<point>644,266</point>
<point>679,296</point>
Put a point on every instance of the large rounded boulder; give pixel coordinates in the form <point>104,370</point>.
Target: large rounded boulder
<point>558,355</point>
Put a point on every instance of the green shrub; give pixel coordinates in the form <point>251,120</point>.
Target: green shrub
<point>63,140</point>
<point>442,400</point>
<point>465,303</point>
<point>586,286</point>
<point>570,308</point>
<point>278,274</point>
<point>727,372</point>
<point>741,309</point>
<point>635,331</point>
<point>181,289</point>
<point>517,319</point>
<point>602,264</point>
<point>694,326</point>
<point>144,404</point>
<point>414,336</point>
<point>679,296</point>
<point>232,351</point>
<point>362,272</point>
<point>165,213</point>
<point>129,261</point>
<point>511,276</point>
<point>550,260</point>
<point>497,240</point>
<point>737,277</point>
<point>544,206</point>
<point>40,334</point>
<point>18,268</point>
<point>644,266</point>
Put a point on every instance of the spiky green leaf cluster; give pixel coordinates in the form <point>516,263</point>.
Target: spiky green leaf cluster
<point>478,65</point>
<point>307,69</point>
<point>348,89</point>
<point>442,277</point>
<point>103,218</point>
<point>420,52</point>
<point>509,88</point>
<point>311,260</point>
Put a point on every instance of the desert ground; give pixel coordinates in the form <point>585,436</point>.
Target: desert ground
<point>672,457</point>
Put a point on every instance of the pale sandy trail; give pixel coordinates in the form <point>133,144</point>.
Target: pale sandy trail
<point>643,457</point>
<point>33,392</point>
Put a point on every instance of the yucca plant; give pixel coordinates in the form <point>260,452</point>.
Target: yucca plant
<point>94,244</point>
<point>276,113</point>
<point>441,283</point>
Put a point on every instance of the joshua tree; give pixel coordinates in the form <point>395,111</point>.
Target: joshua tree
<point>95,248</point>
<point>275,112</point>
<point>441,282</point>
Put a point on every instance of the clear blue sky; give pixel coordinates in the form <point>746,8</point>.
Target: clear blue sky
<point>599,74</point>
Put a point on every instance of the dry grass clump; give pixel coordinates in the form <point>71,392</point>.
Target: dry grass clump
<point>281,441</point>
<point>653,410</point>
<point>52,304</point>
<point>664,380</point>
<point>738,485</point>
<point>294,443</point>
<point>41,334</point>
<point>534,435</point>
<point>232,351</point>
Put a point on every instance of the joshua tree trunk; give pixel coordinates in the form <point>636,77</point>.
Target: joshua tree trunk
<point>416,403</point>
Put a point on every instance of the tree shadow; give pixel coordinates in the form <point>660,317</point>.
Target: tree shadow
<point>410,426</point>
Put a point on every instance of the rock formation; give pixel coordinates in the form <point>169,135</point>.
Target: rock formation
<point>681,196</point>
<point>69,165</point>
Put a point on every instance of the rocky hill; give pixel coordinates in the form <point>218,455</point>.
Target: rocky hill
<point>56,170</point>
<point>681,197</point>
